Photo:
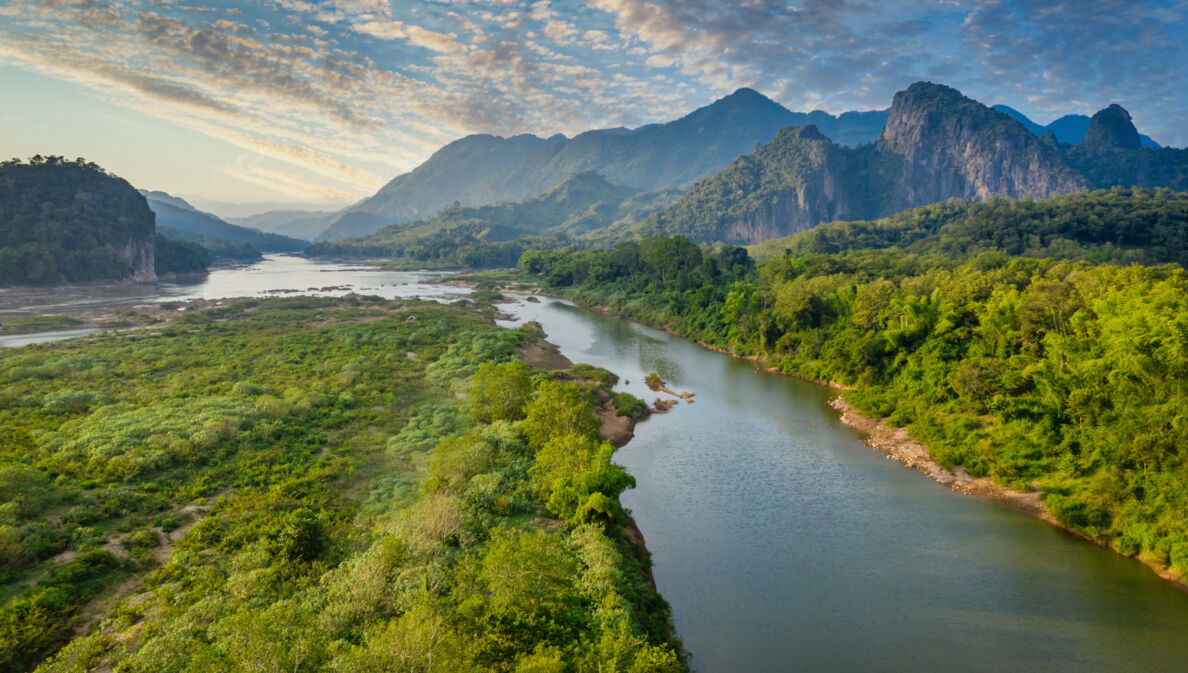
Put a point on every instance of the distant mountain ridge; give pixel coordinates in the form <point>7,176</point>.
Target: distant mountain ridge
<point>483,170</point>
<point>302,224</point>
<point>936,145</point>
<point>1069,129</point>
<point>179,220</point>
<point>579,205</point>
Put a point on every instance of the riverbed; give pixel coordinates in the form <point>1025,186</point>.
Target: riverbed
<point>273,276</point>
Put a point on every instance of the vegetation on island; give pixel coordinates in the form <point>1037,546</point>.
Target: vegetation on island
<point>1063,375</point>
<point>315,484</point>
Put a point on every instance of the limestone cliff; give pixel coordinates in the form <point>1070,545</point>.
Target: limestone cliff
<point>952,146</point>
<point>936,145</point>
<point>140,254</point>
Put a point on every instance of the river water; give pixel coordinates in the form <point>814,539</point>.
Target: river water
<point>785,544</point>
<point>274,276</point>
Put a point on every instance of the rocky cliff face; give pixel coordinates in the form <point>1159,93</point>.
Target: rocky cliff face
<point>952,146</point>
<point>936,145</point>
<point>140,253</point>
<point>813,192</point>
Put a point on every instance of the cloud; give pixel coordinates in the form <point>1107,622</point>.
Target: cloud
<point>284,183</point>
<point>349,93</point>
<point>1045,55</point>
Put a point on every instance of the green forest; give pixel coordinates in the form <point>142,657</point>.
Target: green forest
<point>1067,377</point>
<point>1119,225</point>
<point>316,484</point>
<point>67,221</point>
<point>495,236</point>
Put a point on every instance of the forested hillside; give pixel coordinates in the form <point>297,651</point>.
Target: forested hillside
<point>495,236</point>
<point>1062,376</point>
<point>315,484</point>
<point>1119,226</point>
<point>67,221</point>
<point>178,220</point>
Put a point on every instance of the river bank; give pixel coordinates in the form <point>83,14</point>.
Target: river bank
<point>897,444</point>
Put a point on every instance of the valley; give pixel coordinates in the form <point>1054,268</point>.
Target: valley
<point>541,336</point>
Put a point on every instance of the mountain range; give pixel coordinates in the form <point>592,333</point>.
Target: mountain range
<point>936,145</point>
<point>483,170</point>
<point>179,220</point>
<point>1069,129</point>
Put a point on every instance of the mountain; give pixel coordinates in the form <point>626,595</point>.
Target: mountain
<point>446,177</point>
<point>71,222</point>
<point>1112,155</point>
<point>303,224</point>
<point>1111,129</point>
<point>936,145</point>
<point>1069,129</point>
<point>949,146</point>
<point>581,204</point>
<point>179,220</point>
<point>482,170</point>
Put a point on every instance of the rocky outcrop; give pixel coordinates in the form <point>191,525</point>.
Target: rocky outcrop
<point>937,145</point>
<point>140,253</point>
<point>954,147</point>
<point>1111,129</point>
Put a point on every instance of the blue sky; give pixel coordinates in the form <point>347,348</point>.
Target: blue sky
<point>322,101</point>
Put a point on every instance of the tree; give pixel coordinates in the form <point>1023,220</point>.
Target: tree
<point>557,409</point>
<point>499,392</point>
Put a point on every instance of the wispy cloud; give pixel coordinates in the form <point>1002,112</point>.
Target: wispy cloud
<point>349,93</point>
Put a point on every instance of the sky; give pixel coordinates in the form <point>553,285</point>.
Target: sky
<point>321,102</point>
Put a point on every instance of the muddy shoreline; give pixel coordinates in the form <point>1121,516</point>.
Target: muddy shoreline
<point>899,446</point>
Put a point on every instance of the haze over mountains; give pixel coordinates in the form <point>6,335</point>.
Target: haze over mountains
<point>737,171</point>
<point>179,220</point>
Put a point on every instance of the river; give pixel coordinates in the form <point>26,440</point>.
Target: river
<point>273,276</point>
<point>782,542</point>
